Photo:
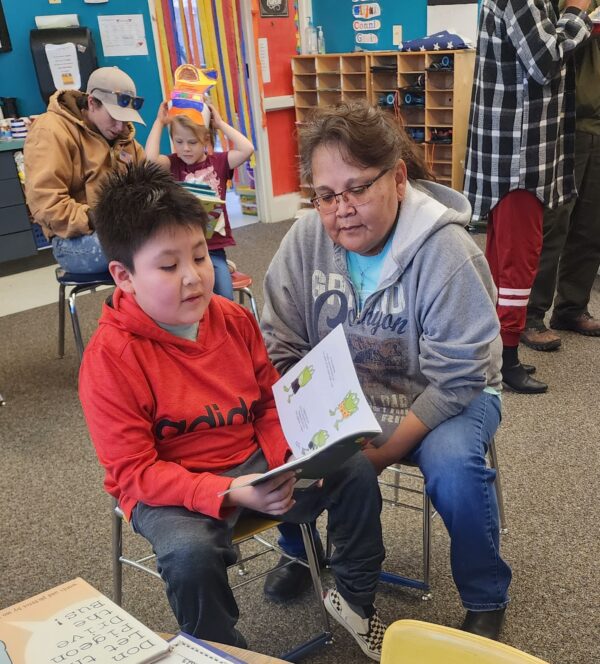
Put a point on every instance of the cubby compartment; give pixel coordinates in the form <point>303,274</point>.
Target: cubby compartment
<point>303,65</point>
<point>352,95</point>
<point>354,83</point>
<point>413,115</point>
<point>439,80</point>
<point>440,99</point>
<point>330,98</point>
<point>353,64</point>
<point>329,83</point>
<point>305,99</point>
<point>305,83</point>
<point>327,64</point>
<point>439,117</point>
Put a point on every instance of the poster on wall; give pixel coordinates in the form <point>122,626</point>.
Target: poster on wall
<point>273,8</point>
<point>457,16</point>
<point>364,24</point>
<point>123,34</point>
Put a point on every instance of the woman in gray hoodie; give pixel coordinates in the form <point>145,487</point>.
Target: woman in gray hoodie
<point>386,254</point>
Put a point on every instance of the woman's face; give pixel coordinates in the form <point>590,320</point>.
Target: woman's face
<point>362,228</point>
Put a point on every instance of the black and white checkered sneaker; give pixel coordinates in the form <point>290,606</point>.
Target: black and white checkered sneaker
<point>367,632</point>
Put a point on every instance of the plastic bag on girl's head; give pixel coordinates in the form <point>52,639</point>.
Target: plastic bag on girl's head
<point>189,94</point>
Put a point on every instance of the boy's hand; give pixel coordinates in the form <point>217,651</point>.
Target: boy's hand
<point>163,113</point>
<point>275,496</point>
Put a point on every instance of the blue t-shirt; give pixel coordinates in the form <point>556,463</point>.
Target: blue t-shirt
<point>365,271</point>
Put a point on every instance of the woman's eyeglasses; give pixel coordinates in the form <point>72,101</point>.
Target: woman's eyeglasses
<point>124,99</point>
<point>354,196</point>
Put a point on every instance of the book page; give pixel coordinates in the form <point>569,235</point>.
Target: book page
<point>186,649</point>
<point>320,400</point>
<point>75,623</point>
<point>323,411</point>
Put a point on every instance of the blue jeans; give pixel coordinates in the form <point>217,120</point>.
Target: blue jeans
<point>80,255</point>
<point>452,459</point>
<point>194,550</point>
<point>223,285</point>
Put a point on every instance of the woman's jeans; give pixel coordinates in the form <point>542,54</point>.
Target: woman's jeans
<point>452,459</point>
<point>80,255</point>
<point>223,285</point>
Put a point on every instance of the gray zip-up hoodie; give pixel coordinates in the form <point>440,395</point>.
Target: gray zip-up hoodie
<point>427,339</point>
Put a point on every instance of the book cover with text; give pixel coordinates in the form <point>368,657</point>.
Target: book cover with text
<point>75,624</point>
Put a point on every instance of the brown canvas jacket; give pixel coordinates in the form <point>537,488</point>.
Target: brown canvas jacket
<point>65,163</point>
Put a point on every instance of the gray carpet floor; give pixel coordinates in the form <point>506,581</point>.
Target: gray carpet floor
<point>55,521</point>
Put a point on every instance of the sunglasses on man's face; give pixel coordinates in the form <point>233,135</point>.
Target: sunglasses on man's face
<point>124,99</point>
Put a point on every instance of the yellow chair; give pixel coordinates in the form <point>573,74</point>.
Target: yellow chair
<point>416,642</point>
<point>248,528</point>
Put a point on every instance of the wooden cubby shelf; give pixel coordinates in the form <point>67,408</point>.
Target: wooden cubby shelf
<point>437,123</point>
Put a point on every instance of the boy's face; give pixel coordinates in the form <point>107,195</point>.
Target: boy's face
<point>174,278</point>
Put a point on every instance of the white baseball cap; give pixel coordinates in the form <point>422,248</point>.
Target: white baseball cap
<point>116,90</point>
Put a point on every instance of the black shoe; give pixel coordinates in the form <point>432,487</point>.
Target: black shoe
<point>518,380</point>
<point>529,368</point>
<point>484,623</point>
<point>292,580</point>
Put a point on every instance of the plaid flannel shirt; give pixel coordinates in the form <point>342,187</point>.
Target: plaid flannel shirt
<point>522,119</point>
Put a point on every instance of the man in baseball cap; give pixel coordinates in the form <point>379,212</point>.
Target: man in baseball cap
<point>116,90</point>
<point>69,151</point>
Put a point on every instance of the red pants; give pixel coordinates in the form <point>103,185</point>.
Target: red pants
<point>513,247</point>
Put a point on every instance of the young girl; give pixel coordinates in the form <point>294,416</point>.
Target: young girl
<point>192,161</point>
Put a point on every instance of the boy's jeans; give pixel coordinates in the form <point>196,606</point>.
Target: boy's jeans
<point>223,285</point>
<point>193,550</point>
<point>80,255</point>
<point>452,460</point>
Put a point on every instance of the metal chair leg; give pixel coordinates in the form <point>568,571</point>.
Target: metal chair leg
<point>494,464</point>
<point>326,637</point>
<point>61,320</point>
<point>246,292</point>
<point>426,544</point>
<point>117,551</point>
<point>75,322</point>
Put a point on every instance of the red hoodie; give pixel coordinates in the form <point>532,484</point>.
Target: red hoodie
<point>167,415</point>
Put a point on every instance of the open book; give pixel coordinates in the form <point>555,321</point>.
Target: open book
<point>323,411</point>
<point>74,624</point>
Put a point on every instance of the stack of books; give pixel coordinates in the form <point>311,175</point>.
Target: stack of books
<point>206,194</point>
<point>210,201</point>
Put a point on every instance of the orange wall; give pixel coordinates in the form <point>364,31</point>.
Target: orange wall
<point>280,33</point>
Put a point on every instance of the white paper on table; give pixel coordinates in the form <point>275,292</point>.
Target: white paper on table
<point>64,66</point>
<point>123,34</point>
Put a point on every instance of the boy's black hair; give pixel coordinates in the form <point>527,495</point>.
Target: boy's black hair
<point>135,204</point>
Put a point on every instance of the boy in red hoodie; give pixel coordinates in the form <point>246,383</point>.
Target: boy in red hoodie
<point>176,390</point>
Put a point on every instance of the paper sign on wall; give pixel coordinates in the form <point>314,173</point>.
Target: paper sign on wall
<point>123,34</point>
<point>64,67</point>
<point>263,56</point>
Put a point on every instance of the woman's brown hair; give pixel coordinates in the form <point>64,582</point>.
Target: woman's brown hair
<point>365,135</point>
